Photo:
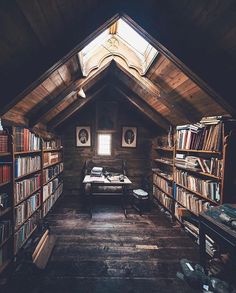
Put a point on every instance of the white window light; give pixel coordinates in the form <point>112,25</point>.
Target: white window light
<point>104,144</point>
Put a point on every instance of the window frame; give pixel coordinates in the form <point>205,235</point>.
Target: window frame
<point>111,146</point>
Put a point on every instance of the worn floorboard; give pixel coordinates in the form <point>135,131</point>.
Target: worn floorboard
<point>110,253</point>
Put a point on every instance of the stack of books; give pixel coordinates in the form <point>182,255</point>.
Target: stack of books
<point>51,158</point>
<point>165,185</point>
<point>52,144</point>
<point>51,172</point>
<point>96,172</point>
<point>25,187</point>
<point>25,165</point>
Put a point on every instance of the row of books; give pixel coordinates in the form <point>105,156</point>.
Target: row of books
<point>5,173</point>
<point>50,188</point>
<point>191,201</point>
<point>165,200</point>
<point>25,140</point>
<point>211,166</point>
<point>165,185</point>
<point>47,205</point>
<point>207,188</point>
<point>25,165</point>
<point>24,210</point>
<point>51,158</point>
<point>4,143</point>
<point>51,172</point>
<point>4,201</point>
<point>200,137</point>
<point>25,230</point>
<point>25,187</point>
<point>5,230</point>
<point>52,144</point>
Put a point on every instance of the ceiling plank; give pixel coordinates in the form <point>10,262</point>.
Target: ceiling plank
<point>142,106</point>
<point>41,111</point>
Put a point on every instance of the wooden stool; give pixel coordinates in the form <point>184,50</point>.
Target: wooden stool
<point>140,200</point>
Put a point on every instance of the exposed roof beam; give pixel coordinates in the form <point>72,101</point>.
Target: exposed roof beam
<point>144,86</point>
<point>75,106</point>
<point>42,110</point>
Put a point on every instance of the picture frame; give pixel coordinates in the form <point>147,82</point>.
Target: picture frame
<point>83,136</point>
<point>129,137</point>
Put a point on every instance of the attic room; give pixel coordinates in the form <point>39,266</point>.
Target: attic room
<point>117,146</point>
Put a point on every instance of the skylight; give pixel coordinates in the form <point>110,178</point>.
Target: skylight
<point>121,43</point>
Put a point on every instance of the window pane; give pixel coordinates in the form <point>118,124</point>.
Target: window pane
<point>104,144</point>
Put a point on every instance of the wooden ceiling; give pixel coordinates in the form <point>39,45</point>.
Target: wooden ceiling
<point>40,72</point>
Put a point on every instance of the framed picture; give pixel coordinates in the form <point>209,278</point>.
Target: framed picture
<point>129,137</point>
<point>83,136</point>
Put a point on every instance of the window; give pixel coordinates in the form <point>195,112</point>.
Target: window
<point>119,42</point>
<point>104,144</point>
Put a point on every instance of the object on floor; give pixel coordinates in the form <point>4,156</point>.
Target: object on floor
<point>140,200</point>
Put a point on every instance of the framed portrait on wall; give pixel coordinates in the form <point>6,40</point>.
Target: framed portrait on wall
<point>129,137</point>
<point>83,136</point>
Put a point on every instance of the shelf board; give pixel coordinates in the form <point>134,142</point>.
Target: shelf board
<point>27,152</point>
<point>5,241</point>
<point>5,211</point>
<point>164,162</point>
<point>45,167</point>
<point>170,195</point>
<point>18,227</point>
<point>52,178</point>
<point>197,193</point>
<point>163,176</point>
<point>28,174</point>
<point>186,207</point>
<point>5,154</point>
<point>171,212</point>
<point>4,265</point>
<point>28,196</point>
<point>53,150</point>
<point>200,173</point>
<point>15,252</point>
<point>164,149</point>
<point>5,183</point>
<point>198,151</point>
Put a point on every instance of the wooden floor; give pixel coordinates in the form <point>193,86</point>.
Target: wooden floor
<point>110,253</point>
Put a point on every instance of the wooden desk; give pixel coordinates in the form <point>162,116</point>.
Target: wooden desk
<point>210,224</point>
<point>103,181</point>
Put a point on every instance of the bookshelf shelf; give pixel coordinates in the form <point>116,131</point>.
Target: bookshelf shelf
<point>27,152</point>
<point>27,197</point>
<point>164,162</point>
<point>198,194</point>
<point>28,174</point>
<point>5,183</point>
<point>4,266</point>
<point>163,176</point>
<point>198,172</point>
<point>24,242</point>
<point>17,228</point>
<point>53,150</point>
<point>52,178</point>
<point>5,241</point>
<point>47,166</point>
<point>5,211</point>
<point>168,194</point>
<point>4,154</point>
<point>198,151</point>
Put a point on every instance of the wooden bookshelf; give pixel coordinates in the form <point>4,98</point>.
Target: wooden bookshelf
<point>161,189</point>
<point>198,151</point>
<point>19,147</point>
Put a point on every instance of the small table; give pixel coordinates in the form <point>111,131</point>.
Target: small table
<point>103,181</point>
<point>210,224</point>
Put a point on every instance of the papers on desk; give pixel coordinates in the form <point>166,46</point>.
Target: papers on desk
<point>89,179</point>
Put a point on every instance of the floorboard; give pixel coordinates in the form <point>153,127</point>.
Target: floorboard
<point>110,253</point>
